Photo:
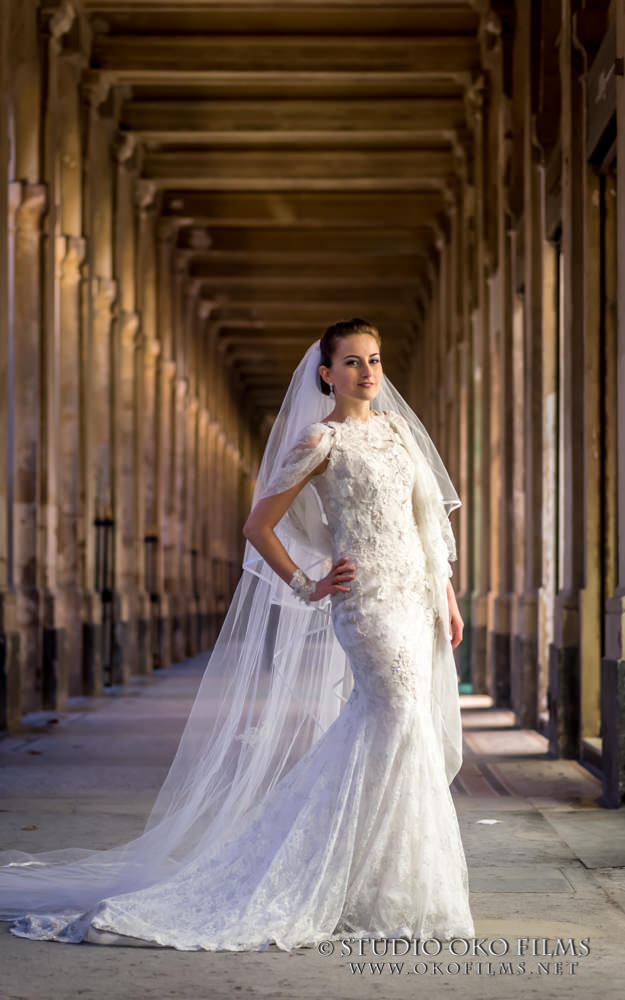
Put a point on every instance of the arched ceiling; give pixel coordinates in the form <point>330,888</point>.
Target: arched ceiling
<point>308,150</point>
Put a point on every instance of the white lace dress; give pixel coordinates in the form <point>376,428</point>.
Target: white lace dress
<point>360,837</point>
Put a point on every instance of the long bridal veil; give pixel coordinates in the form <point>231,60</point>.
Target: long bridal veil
<point>275,680</point>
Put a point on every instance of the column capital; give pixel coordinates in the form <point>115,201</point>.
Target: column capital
<point>168,368</point>
<point>28,203</point>
<point>103,291</point>
<point>205,308</point>
<point>145,192</point>
<point>152,348</point>
<point>129,325</point>
<point>490,38</point>
<point>474,97</point>
<point>70,253</point>
<point>181,261</point>
<point>61,17</point>
<point>182,388</point>
<point>96,87</point>
<point>124,146</point>
<point>167,227</point>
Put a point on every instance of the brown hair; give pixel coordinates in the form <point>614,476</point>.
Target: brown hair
<point>334,333</point>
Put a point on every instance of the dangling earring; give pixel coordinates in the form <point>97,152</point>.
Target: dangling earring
<point>331,387</point>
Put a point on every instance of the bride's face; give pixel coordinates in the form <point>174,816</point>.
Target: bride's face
<point>356,369</point>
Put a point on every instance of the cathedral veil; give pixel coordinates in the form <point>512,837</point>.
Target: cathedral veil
<point>275,681</point>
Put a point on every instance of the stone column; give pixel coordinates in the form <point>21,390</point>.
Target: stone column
<point>480,444</point>
<point>147,350</point>
<point>62,664</point>
<point>127,555</point>
<point>191,533</point>
<point>166,231</point>
<point>564,683</point>
<point>526,698</point>
<point>9,636</point>
<point>613,663</point>
<point>126,345</point>
<point>463,570</point>
<point>175,584</point>
<point>166,374</point>
<point>29,200</point>
<point>203,529</point>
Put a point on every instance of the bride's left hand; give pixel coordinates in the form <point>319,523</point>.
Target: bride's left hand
<point>456,624</point>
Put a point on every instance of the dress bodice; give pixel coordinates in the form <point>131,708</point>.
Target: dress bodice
<point>366,493</point>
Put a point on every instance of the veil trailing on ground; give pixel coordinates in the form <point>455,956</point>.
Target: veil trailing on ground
<point>275,681</point>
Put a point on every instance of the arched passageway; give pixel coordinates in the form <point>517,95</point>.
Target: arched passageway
<point>189,195</point>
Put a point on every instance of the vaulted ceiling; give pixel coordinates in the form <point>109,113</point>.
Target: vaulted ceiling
<point>308,150</point>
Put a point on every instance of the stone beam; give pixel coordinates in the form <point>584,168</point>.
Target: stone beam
<point>400,271</point>
<point>239,122</point>
<point>133,58</point>
<point>349,209</point>
<point>294,241</point>
<point>314,170</point>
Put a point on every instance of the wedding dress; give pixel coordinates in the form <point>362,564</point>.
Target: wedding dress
<point>360,837</point>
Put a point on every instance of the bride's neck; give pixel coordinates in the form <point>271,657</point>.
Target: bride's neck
<point>350,408</point>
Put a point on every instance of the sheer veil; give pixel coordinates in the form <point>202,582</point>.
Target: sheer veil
<point>277,674</point>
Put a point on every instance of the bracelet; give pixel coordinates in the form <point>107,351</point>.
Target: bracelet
<point>302,585</point>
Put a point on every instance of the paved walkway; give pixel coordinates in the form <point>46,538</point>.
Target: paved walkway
<point>545,863</point>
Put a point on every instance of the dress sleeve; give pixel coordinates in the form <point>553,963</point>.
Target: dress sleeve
<point>313,445</point>
<point>431,490</point>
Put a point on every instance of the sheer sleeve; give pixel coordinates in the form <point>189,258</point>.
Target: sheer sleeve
<point>430,496</point>
<point>313,445</point>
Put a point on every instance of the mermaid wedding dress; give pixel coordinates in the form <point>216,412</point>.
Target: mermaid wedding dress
<point>360,837</point>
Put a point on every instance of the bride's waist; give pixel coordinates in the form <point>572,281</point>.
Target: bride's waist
<point>378,556</point>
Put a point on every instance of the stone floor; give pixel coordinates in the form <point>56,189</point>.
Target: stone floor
<point>546,863</point>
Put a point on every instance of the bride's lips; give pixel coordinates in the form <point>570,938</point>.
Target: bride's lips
<point>365,383</point>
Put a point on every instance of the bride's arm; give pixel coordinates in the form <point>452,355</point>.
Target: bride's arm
<point>456,624</point>
<point>260,524</point>
<point>259,530</point>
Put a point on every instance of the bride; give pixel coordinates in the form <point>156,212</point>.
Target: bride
<point>315,803</point>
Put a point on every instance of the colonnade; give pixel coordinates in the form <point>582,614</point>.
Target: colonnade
<point>129,459</point>
<point>521,378</point>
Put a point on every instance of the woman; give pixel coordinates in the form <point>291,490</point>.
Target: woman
<point>296,820</point>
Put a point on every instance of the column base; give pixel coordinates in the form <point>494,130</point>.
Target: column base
<point>524,662</point>
<point>612,733</point>
<point>563,701</point>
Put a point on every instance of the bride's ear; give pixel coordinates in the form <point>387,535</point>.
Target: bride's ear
<point>324,378</point>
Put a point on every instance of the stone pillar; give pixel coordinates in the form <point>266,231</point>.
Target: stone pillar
<point>126,344</point>
<point>613,663</point>
<point>220,552</point>
<point>212,549</point>
<point>564,684</point>
<point>526,696</point>
<point>175,580</point>
<point>99,291</point>
<point>203,528</point>
<point>191,533</point>
<point>9,636</point>
<point>29,201</point>
<point>463,570</point>
<point>147,350</point>
<point>127,556</point>
<point>166,374</point>
<point>62,660</point>
<point>166,231</point>
<point>480,446</point>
